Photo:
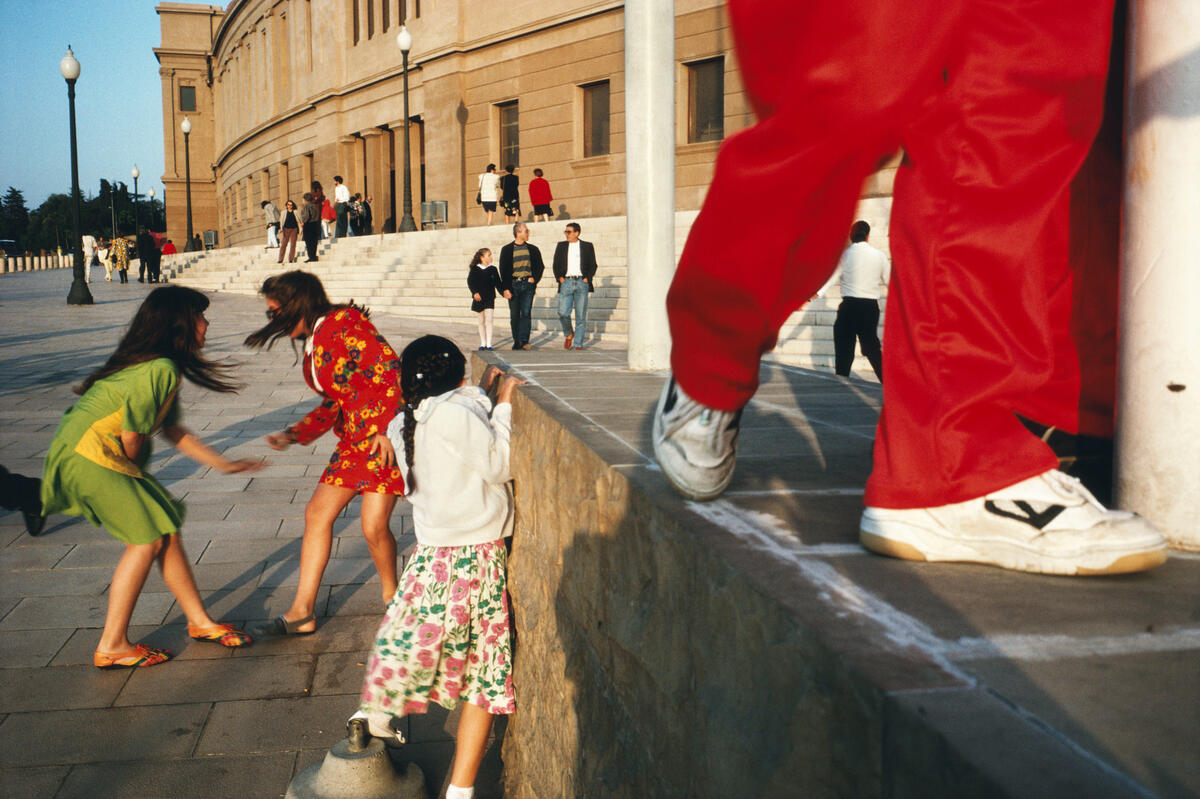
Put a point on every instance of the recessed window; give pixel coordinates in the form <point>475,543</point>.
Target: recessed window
<point>595,119</point>
<point>187,98</point>
<point>510,139</point>
<point>706,100</point>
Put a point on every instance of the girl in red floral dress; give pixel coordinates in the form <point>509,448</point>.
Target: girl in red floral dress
<point>357,374</point>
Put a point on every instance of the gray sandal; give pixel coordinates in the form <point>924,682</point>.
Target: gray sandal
<point>279,626</point>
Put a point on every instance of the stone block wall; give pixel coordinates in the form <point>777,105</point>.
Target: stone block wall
<point>652,659</point>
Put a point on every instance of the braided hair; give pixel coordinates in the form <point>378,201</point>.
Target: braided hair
<point>429,366</point>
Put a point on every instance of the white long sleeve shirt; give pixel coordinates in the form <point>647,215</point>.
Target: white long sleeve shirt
<point>461,460</point>
<point>864,270</point>
<point>341,193</point>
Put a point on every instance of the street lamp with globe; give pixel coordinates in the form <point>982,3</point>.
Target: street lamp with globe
<point>404,42</point>
<point>136,173</point>
<point>186,127</point>
<point>79,293</point>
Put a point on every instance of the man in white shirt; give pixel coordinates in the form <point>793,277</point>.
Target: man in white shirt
<point>863,271</point>
<point>272,215</point>
<point>89,256</point>
<point>575,270</point>
<point>341,206</point>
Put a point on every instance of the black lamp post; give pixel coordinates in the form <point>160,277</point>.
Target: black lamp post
<point>186,127</point>
<point>137,225</point>
<point>79,294</point>
<point>404,41</point>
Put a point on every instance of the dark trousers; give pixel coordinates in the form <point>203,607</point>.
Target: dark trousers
<point>18,492</point>
<point>342,215</point>
<point>520,309</point>
<point>312,234</point>
<point>287,239</point>
<point>153,269</point>
<point>857,318</point>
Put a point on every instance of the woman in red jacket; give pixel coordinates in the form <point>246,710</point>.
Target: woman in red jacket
<point>357,374</point>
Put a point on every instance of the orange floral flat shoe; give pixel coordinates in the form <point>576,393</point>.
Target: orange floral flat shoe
<point>137,658</point>
<point>223,634</point>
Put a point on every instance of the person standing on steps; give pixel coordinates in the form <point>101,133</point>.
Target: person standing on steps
<point>540,197</point>
<point>489,192</point>
<point>310,225</point>
<point>271,213</point>
<point>341,207</point>
<point>521,268</point>
<point>291,228</point>
<point>575,271</point>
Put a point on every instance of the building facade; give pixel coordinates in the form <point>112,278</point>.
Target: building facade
<point>284,92</point>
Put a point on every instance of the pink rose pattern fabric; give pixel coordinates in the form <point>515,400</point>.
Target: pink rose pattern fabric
<point>445,635</point>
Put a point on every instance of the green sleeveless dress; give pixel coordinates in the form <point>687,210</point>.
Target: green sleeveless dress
<point>86,472</point>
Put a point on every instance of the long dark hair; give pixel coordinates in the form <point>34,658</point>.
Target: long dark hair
<point>165,327</point>
<point>478,259</point>
<point>429,366</point>
<point>301,298</point>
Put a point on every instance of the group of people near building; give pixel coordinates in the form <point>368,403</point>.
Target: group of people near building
<point>116,254</point>
<point>318,218</point>
<point>516,276</point>
<point>495,189</point>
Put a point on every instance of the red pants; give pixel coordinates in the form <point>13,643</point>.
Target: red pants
<point>995,103</point>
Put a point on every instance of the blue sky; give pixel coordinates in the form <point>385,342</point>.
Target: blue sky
<point>118,100</point>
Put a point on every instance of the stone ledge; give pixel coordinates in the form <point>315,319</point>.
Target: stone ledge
<point>661,654</point>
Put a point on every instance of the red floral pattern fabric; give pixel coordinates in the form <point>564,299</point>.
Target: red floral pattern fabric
<point>359,376</point>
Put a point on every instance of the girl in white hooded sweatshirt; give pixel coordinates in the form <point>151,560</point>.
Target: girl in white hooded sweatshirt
<point>445,635</point>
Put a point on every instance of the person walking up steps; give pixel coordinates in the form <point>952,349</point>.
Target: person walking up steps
<point>482,281</point>
<point>96,466</point>
<point>445,635</point>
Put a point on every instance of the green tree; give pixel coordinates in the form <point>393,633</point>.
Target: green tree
<point>14,217</point>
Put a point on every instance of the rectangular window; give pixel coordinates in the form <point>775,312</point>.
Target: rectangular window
<point>370,18</point>
<point>386,14</point>
<point>595,119</point>
<point>354,18</point>
<point>510,149</point>
<point>187,98</point>
<point>706,100</point>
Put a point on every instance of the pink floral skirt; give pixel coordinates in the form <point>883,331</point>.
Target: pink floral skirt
<point>445,636</point>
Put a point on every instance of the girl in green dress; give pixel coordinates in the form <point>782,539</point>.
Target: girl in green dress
<point>96,465</point>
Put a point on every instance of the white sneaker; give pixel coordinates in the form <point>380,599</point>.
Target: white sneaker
<point>379,725</point>
<point>695,445</point>
<point>1049,524</point>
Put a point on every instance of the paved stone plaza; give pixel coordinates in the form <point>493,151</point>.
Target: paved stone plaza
<point>215,721</point>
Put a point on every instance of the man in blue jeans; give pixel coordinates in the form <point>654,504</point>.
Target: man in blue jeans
<point>575,270</point>
<point>521,268</point>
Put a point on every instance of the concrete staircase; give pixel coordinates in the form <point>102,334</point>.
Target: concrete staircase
<point>422,275</point>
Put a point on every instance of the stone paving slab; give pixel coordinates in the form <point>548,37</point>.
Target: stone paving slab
<point>213,721</point>
<point>229,777</point>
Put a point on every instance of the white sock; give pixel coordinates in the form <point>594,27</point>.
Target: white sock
<point>454,792</point>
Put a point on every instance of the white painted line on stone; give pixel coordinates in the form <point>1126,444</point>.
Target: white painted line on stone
<point>1055,647</point>
<point>768,535</point>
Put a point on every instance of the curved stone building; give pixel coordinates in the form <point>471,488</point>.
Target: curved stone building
<point>283,92</point>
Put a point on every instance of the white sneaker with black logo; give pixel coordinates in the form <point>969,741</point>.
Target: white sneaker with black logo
<point>1049,524</point>
<point>695,445</point>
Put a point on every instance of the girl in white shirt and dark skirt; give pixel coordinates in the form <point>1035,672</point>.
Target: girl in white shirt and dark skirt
<point>445,635</point>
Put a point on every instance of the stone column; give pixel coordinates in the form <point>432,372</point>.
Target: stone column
<point>378,161</point>
<point>649,177</point>
<point>1158,392</point>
